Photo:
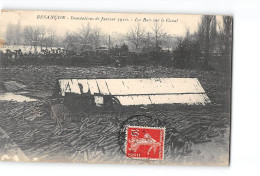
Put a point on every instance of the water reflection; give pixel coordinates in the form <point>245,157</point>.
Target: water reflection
<point>7,96</point>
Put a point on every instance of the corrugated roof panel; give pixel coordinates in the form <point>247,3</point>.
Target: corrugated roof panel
<point>154,86</point>
<point>84,83</point>
<point>92,83</point>
<point>69,85</point>
<point>141,91</point>
<point>66,86</point>
<point>198,86</point>
<point>134,100</point>
<point>189,99</point>
<point>133,86</point>
<point>102,85</point>
<point>74,86</point>
<point>118,87</point>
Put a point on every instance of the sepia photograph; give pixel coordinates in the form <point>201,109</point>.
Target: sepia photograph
<point>115,88</point>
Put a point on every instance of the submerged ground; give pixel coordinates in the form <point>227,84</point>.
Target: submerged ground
<point>93,136</point>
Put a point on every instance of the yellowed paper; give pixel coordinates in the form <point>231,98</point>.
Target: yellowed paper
<point>122,88</point>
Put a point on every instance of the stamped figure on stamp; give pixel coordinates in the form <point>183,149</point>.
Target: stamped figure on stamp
<point>145,142</point>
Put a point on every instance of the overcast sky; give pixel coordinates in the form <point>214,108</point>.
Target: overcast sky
<point>70,21</point>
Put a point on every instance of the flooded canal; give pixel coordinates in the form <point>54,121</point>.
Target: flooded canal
<point>7,96</point>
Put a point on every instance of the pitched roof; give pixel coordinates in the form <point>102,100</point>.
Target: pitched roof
<point>141,91</point>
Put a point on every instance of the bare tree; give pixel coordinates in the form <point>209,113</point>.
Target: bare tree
<point>71,41</point>
<point>31,36</point>
<point>14,33</point>
<point>95,37</point>
<point>42,36</point>
<point>36,36</point>
<point>207,34</point>
<point>227,32</point>
<point>157,31</point>
<point>10,34</point>
<point>28,35</point>
<point>168,41</point>
<point>84,34</point>
<point>135,35</point>
<point>50,39</point>
<point>18,33</point>
<point>147,40</point>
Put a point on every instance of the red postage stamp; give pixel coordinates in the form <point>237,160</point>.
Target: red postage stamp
<point>145,142</point>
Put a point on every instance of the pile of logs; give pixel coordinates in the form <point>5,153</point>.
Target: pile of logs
<point>95,135</point>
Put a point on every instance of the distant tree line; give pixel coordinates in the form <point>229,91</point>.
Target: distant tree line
<point>149,39</point>
<point>34,36</point>
<point>212,38</point>
<point>90,37</point>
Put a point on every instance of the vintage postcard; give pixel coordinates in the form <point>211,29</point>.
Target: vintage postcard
<point>123,88</point>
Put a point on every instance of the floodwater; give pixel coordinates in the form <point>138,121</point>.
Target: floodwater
<point>7,96</point>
